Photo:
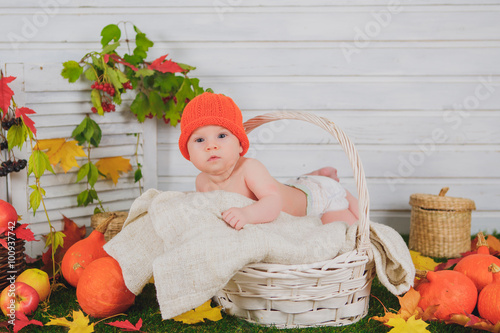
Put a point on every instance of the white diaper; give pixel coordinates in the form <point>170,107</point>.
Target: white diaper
<point>323,193</point>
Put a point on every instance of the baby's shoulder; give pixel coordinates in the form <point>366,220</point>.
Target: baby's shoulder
<point>250,163</point>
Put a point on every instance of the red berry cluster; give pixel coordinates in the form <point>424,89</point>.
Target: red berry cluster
<point>127,85</point>
<point>106,87</point>
<point>107,107</point>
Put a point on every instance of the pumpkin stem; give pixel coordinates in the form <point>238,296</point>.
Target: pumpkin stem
<point>481,241</point>
<point>104,224</point>
<point>493,268</point>
<point>421,274</point>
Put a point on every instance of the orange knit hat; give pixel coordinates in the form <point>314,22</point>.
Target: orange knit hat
<point>211,109</point>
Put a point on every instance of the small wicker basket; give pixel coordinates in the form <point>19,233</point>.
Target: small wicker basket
<point>440,226</point>
<point>115,224</point>
<point>331,293</point>
<point>11,263</point>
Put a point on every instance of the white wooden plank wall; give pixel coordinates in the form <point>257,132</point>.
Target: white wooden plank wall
<point>415,84</point>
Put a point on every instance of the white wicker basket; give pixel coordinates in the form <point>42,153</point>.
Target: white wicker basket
<point>331,293</point>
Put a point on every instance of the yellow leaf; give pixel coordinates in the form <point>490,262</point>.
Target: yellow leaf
<point>61,152</point>
<point>421,262</point>
<point>113,166</point>
<point>204,311</point>
<point>80,323</point>
<point>411,325</point>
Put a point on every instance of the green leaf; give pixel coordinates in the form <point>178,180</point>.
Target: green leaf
<point>144,72</point>
<point>137,175</point>
<point>35,198</point>
<point>82,172</point>
<point>97,133</point>
<point>93,194</point>
<point>90,74</point>
<point>156,105</point>
<point>89,131</point>
<point>110,48</point>
<point>38,163</point>
<point>93,174</point>
<point>81,127</point>
<point>95,97</point>
<point>109,33</point>
<point>186,67</point>
<point>142,44</point>
<point>166,82</point>
<point>71,71</point>
<point>132,59</point>
<point>83,198</point>
<point>55,239</point>
<point>113,77</point>
<point>97,210</point>
<point>97,62</point>
<point>16,136</point>
<point>121,76</point>
<point>140,106</point>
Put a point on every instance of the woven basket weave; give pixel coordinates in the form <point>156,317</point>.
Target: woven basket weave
<point>12,263</point>
<point>114,226</point>
<point>330,293</point>
<point>440,225</point>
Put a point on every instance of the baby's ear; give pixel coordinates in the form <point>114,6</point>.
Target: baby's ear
<point>241,148</point>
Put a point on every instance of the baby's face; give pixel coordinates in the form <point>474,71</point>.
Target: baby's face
<point>214,149</point>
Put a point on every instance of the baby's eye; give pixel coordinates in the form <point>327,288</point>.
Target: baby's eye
<point>199,140</point>
<point>222,135</point>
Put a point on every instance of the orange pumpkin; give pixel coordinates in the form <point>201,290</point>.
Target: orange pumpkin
<point>488,303</point>
<point>101,291</point>
<point>475,266</point>
<point>452,291</point>
<point>83,252</point>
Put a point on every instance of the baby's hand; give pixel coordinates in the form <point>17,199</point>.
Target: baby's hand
<point>235,217</point>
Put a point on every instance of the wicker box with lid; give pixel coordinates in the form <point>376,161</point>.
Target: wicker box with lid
<point>440,225</point>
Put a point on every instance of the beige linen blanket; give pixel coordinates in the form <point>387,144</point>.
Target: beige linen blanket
<point>181,240</point>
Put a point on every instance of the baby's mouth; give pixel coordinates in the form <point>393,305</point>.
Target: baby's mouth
<point>213,158</point>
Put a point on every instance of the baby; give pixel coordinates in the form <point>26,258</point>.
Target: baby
<point>214,140</point>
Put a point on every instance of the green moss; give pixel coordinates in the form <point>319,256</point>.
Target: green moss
<point>146,307</point>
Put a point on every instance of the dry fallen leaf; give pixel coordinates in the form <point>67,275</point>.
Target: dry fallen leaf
<point>421,262</point>
<point>80,323</point>
<point>61,152</point>
<point>111,167</point>
<point>204,311</point>
<point>493,243</point>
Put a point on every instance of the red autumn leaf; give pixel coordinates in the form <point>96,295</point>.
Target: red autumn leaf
<point>23,112</point>
<point>23,233</point>
<point>73,234</point>
<point>447,264</point>
<point>165,66</point>
<point>123,62</point>
<point>106,58</point>
<point>127,326</point>
<point>471,321</point>
<point>5,93</point>
<point>23,321</point>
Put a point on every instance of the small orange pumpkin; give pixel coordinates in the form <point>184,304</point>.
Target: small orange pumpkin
<point>83,252</point>
<point>451,290</point>
<point>101,291</point>
<point>475,266</point>
<point>488,303</point>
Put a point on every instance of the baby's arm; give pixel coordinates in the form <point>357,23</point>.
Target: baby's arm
<point>265,188</point>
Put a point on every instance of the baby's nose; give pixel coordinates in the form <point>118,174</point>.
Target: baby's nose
<point>212,146</point>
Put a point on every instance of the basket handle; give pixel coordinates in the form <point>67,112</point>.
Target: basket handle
<point>363,236</point>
